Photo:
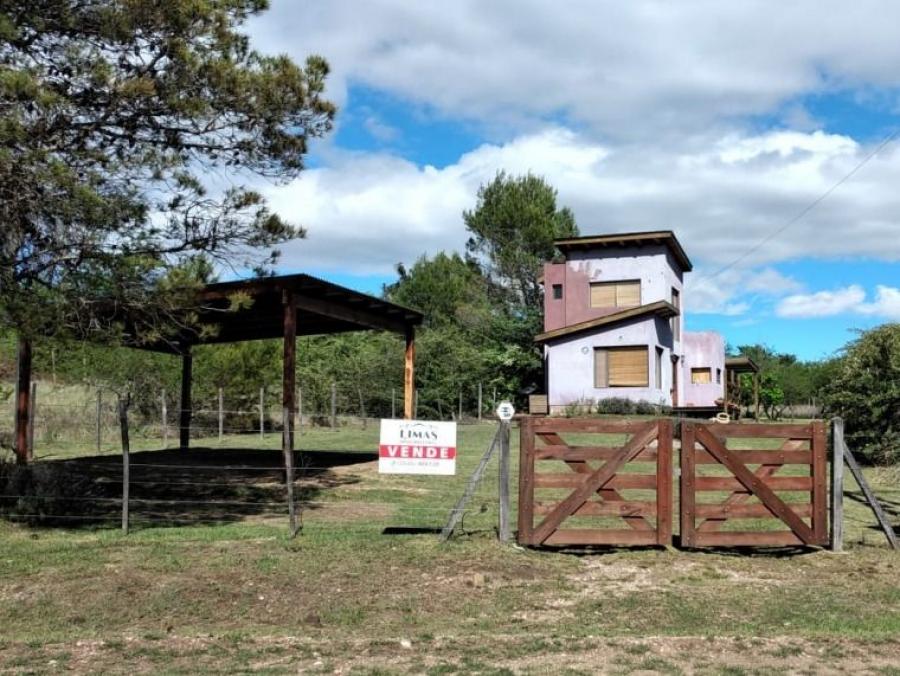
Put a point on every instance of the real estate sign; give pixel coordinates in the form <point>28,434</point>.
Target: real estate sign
<point>417,447</point>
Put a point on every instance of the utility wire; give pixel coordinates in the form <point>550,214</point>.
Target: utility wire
<point>812,205</point>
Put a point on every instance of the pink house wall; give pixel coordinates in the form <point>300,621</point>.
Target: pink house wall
<point>703,349</point>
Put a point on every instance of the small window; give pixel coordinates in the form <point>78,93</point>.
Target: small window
<point>557,291</point>
<point>676,320</point>
<point>701,376</point>
<point>659,363</point>
<point>621,366</point>
<point>718,376</point>
<point>616,294</point>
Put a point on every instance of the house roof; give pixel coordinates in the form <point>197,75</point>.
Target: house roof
<point>741,365</point>
<point>321,308</point>
<point>660,308</point>
<point>666,237</point>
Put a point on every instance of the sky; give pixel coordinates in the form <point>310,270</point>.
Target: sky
<point>755,131</point>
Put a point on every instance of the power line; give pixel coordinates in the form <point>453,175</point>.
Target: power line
<point>812,205</point>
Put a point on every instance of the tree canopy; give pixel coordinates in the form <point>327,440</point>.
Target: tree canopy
<point>124,125</point>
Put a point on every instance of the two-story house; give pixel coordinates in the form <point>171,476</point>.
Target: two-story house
<point>613,326</point>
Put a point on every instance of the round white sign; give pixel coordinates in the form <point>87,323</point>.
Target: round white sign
<point>505,411</point>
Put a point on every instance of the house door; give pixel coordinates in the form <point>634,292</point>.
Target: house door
<point>674,381</point>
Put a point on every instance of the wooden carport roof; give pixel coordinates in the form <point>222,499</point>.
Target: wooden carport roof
<point>321,308</point>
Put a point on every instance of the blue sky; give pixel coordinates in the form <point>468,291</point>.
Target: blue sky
<point>721,126</point>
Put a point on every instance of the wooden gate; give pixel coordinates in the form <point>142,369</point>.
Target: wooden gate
<point>727,479</point>
<point>605,482</point>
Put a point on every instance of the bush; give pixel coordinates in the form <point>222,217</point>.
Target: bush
<point>616,406</point>
<point>865,390</point>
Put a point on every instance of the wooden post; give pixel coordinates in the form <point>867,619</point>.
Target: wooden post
<point>185,414</point>
<point>688,483</point>
<point>756,396</point>
<point>165,420</point>
<point>526,480</point>
<point>288,450</point>
<point>333,405</point>
<point>23,394</point>
<point>503,488</point>
<point>409,375</point>
<point>31,420</point>
<point>99,416</point>
<point>289,364</point>
<point>837,485</point>
<point>479,402</point>
<point>664,488</point>
<point>126,460</point>
<point>262,412</point>
<point>221,415</point>
<point>299,410</point>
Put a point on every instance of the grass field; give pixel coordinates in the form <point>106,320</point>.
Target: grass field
<point>217,585</point>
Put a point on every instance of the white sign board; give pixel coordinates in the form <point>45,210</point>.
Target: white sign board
<point>505,411</point>
<point>417,447</point>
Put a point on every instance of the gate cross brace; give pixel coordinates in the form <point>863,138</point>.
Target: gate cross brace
<point>755,485</point>
<point>595,481</point>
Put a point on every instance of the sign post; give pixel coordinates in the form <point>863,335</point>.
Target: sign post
<point>505,412</point>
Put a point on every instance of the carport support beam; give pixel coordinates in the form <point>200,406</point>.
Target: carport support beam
<point>185,412</point>
<point>409,376</point>
<point>289,368</point>
<point>23,400</point>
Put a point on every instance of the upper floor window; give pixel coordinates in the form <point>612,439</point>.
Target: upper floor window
<point>701,376</point>
<point>676,320</point>
<point>557,291</point>
<point>616,294</point>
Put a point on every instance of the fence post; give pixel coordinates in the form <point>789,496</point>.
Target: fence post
<point>221,415</point>
<point>126,460</point>
<point>333,405</point>
<point>262,412</point>
<point>165,420</point>
<point>503,491</point>
<point>837,485</point>
<point>393,403</point>
<point>99,413</point>
<point>31,412</point>
<point>288,450</point>
<point>459,418</point>
<point>299,410</point>
<point>479,402</point>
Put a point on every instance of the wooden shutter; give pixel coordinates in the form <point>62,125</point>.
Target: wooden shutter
<point>700,376</point>
<point>628,294</point>
<point>628,366</point>
<point>601,369</point>
<point>603,294</point>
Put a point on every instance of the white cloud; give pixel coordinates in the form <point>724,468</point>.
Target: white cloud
<point>639,69</point>
<point>366,212</point>
<point>822,303</point>
<point>886,303</point>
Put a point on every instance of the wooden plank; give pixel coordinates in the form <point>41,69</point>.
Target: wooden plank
<point>775,538</point>
<point>354,315</point>
<point>409,379</point>
<point>819,493</point>
<point>641,508</point>
<point>185,407</point>
<point>619,481</point>
<point>756,457</point>
<point>743,511</point>
<point>557,452</point>
<point>837,485</point>
<point>287,450</point>
<point>737,498</point>
<point>664,492</point>
<point>526,481</point>
<point>594,481</point>
<point>688,486</point>
<point>775,483</point>
<point>761,431</point>
<point>870,497</point>
<point>756,485</point>
<point>288,368</point>
<point>608,493</point>
<point>590,536</point>
<point>590,425</point>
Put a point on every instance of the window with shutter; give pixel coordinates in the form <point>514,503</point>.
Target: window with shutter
<point>616,294</point>
<point>701,376</point>
<point>622,367</point>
